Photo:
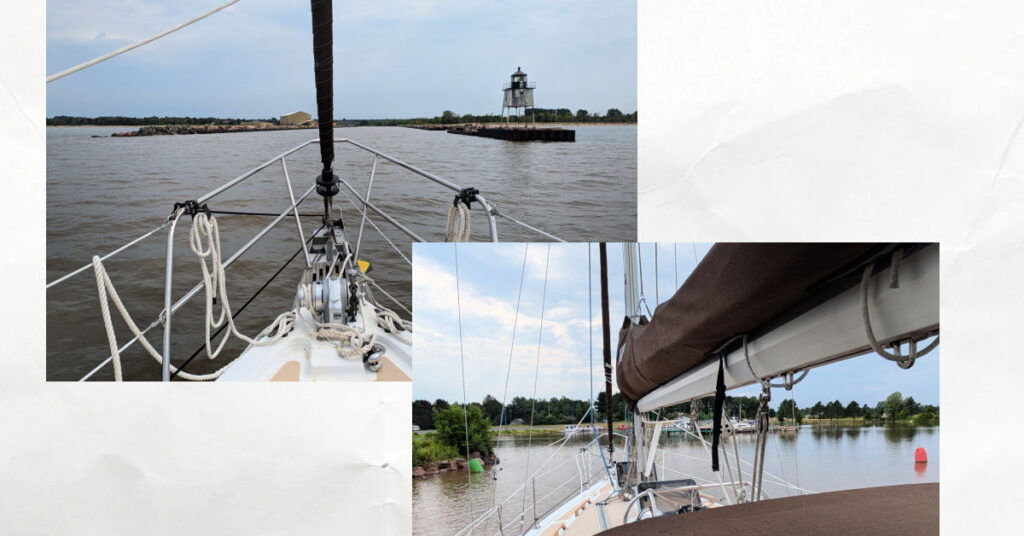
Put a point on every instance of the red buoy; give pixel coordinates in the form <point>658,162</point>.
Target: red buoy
<point>920,456</point>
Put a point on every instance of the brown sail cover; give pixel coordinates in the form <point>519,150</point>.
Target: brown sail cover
<point>910,510</point>
<point>736,288</point>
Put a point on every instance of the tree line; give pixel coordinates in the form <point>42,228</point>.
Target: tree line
<point>539,115</point>
<point>564,410</point>
<point>118,120</point>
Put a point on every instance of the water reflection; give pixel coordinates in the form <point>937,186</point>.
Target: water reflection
<point>900,433</point>
<point>817,458</point>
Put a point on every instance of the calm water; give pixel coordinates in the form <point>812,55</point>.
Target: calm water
<point>103,192</point>
<point>817,459</point>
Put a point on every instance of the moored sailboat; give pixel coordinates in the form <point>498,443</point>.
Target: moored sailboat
<point>749,314</point>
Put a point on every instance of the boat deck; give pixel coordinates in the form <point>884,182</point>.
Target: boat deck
<point>300,356</point>
<point>909,509</point>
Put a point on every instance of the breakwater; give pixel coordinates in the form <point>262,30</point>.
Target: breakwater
<point>508,133</point>
<point>174,130</point>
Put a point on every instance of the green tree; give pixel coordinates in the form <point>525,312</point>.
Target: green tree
<point>893,404</point>
<point>928,417</point>
<point>788,410</point>
<point>448,116</point>
<point>492,409</point>
<point>852,409</point>
<point>423,414</point>
<point>818,410</point>
<point>451,429</point>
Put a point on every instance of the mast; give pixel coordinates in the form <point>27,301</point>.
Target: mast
<point>631,271</point>
<point>323,64</point>
<point>607,337</point>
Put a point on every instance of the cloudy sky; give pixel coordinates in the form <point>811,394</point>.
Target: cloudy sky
<point>392,58</point>
<point>488,282</point>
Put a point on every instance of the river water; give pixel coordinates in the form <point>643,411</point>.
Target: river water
<point>103,192</point>
<point>814,458</point>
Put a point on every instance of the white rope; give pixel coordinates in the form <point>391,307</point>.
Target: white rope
<point>457,229</point>
<point>105,286</point>
<point>351,341</point>
<point>122,50</point>
<point>204,239</point>
<point>394,324</point>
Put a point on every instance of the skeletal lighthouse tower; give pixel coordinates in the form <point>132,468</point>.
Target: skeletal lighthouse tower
<point>518,94</point>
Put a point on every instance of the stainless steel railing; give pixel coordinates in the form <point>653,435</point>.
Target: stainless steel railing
<point>171,306</point>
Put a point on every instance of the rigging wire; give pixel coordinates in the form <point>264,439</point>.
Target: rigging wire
<point>515,324</point>
<point>122,50</point>
<point>590,325</point>
<point>675,262</point>
<point>462,368</point>
<point>511,350</point>
<point>536,374</point>
<point>796,441</point>
<point>657,298</point>
<point>244,213</point>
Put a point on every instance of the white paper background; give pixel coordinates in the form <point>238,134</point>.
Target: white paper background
<point>759,121</point>
<point>870,121</point>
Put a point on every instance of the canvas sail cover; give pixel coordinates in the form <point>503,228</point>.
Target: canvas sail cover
<point>736,289</point>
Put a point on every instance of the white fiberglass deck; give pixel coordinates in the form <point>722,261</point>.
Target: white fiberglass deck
<point>300,356</point>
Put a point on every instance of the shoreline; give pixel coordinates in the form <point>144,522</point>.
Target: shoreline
<point>418,125</point>
<point>180,130</point>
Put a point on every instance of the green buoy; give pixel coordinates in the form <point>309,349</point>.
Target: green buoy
<point>475,466</point>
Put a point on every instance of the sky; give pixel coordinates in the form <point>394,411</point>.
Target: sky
<point>488,282</point>
<point>392,59</point>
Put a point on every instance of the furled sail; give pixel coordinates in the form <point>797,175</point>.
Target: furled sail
<point>737,289</point>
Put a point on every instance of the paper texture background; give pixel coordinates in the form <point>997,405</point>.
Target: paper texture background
<point>859,121</point>
<point>759,121</point>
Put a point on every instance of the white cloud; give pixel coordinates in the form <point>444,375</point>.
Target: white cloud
<point>487,320</point>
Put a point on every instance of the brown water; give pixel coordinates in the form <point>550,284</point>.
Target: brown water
<point>103,192</point>
<point>816,459</point>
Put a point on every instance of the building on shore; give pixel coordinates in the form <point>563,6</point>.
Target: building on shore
<point>296,118</point>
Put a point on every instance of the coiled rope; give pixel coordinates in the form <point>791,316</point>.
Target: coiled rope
<point>105,286</point>
<point>457,229</point>
<point>204,240</point>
